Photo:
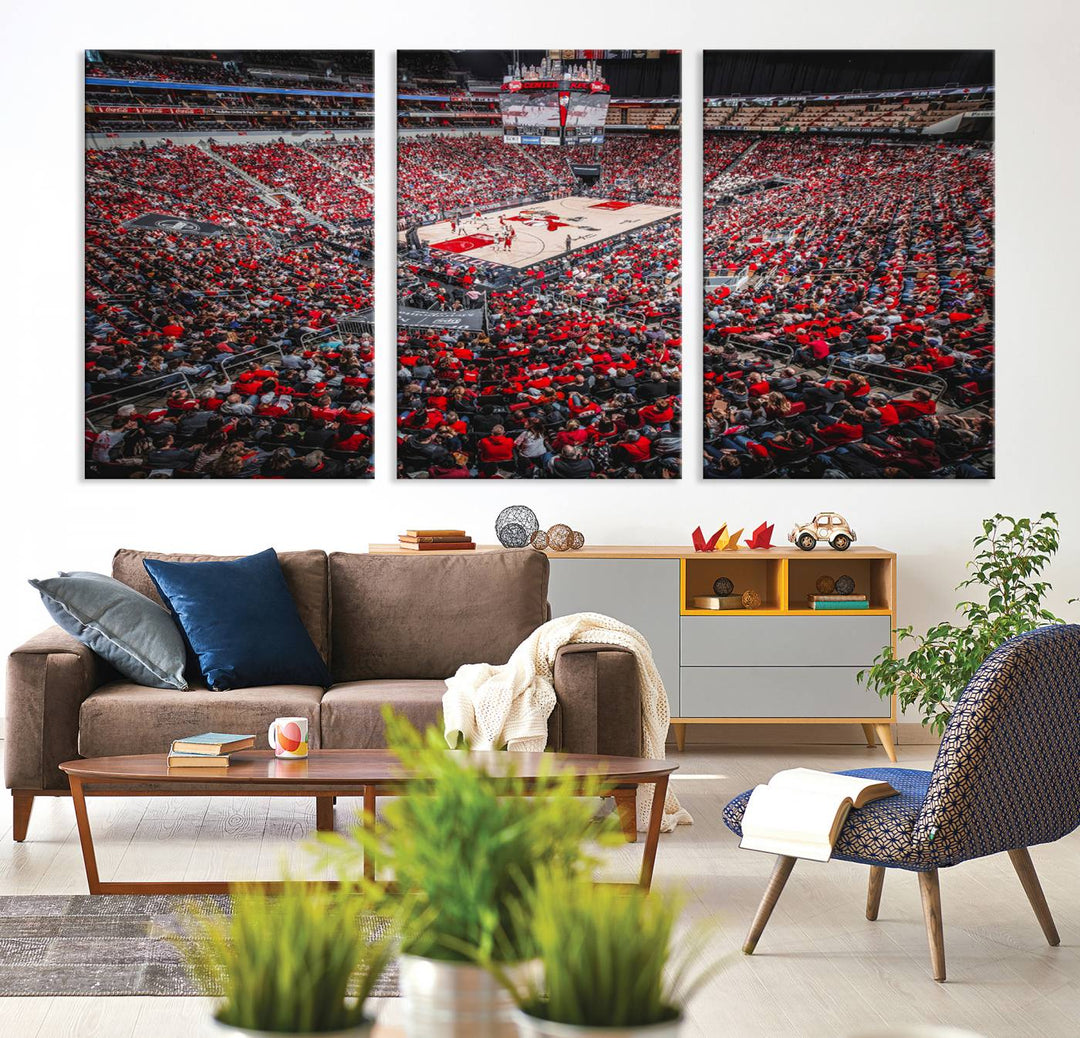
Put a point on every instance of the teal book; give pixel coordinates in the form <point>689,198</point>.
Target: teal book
<point>826,606</point>
<point>211,744</point>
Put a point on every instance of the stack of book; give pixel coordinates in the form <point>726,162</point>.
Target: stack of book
<point>825,602</point>
<point>209,750</point>
<point>436,540</point>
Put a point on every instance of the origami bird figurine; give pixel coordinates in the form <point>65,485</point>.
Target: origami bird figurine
<point>733,541</point>
<point>700,544</point>
<point>761,537</point>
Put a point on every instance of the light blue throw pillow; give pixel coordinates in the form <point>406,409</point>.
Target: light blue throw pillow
<point>136,635</point>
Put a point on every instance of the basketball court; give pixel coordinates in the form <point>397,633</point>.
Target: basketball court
<point>540,230</point>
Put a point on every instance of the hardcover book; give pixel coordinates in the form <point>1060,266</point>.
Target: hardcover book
<point>801,811</point>
<point>210,744</point>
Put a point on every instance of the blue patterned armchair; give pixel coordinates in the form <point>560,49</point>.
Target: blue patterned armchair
<point>1006,777</point>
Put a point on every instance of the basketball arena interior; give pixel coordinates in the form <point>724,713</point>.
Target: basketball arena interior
<point>539,253</point>
<point>849,265</point>
<point>228,264</point>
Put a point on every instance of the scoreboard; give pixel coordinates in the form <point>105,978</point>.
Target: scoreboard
<point>553,111</point>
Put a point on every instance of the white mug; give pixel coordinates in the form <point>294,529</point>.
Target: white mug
<point>288,737</point>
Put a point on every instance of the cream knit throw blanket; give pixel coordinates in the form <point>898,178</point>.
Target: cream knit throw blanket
<point>492,706</point>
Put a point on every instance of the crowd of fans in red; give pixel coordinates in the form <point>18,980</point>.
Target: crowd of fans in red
<point>443,174</point>
<point>577,373</point>
<point>220,355</point>
<point>848,308</point>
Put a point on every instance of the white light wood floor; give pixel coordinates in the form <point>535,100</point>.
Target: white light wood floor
<point>820,969</point>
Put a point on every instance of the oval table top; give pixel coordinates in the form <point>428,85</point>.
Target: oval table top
<point>374,767</point>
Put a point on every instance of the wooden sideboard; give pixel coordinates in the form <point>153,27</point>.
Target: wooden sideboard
<point>780,663</point>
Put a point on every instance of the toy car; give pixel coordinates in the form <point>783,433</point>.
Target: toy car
<point>825,526</point>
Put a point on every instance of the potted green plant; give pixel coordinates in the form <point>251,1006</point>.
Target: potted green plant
<point>1010,556</point>
<point>298,962</point>
<point>607,966</point>
<point>465,849</point>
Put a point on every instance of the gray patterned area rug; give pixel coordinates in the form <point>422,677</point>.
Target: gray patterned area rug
<point>109,944</point>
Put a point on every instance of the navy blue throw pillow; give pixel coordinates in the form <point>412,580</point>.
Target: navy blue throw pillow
<point>240,621</point>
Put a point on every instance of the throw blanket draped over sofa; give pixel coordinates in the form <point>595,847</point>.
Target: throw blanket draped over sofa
<point>509,705</point>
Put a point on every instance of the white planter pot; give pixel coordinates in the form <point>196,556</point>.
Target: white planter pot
<point>534,1027</point>
<point>452,1000</point>
<point>359,1031</point>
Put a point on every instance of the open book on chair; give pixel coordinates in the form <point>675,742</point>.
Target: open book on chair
<point>800,812</point>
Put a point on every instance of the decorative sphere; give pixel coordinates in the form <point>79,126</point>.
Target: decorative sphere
<point>723,586</point>
<point>845,585</point>
<point>540,540</point>
<point>560,537</point>
<point>577,542</point>
<point>751,599</point>
<point>825,585</point>
<point>515,526</point>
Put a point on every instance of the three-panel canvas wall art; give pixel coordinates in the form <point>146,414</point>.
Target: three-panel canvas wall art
<point>847,330</point>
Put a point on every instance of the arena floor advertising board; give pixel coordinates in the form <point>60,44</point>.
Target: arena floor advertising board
<point>539,192</point>
<point>849,265</point>
<point>229,219</point>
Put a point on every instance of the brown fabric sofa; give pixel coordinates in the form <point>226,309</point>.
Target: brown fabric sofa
<point>390,628</point>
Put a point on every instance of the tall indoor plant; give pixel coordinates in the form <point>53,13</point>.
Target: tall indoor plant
<point>1010,557</point>
<point>465,848</point>
<point>608,965</point>
<point>298,962</point>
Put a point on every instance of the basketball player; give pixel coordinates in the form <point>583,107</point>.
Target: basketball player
<point>568,243</point>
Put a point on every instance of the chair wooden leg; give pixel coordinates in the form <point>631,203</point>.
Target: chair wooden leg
<point>1021,860</point>
<point>873,892</point>
<point>931,906</point>
<point>781,871</point>
<point>680,736</point>
<point>871,739</point>
<point>21,805</point>
<point>324,814</point>
<point>884,732</point>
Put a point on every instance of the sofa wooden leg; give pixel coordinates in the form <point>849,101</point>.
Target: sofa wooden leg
<point>781,871</point>
<point>884,733</point>
<point>873,892</point>
<point>22,804</point>
<point>324,814</point>
<point>935,935</point>
<point>1021,860</point>
<point>626,806</point>
<point>680,736</point>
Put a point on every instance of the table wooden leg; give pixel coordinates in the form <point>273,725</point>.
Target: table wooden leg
<point>680,736</point>
<point>324,814</point>
<point>86,838</point>
<point>369,823</point>
<point>652,837</point>
<point>626,806</point>
<point>871,739</point>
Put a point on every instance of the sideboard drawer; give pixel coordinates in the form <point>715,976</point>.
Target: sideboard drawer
<point>778,692</point>
<point>782,641</point>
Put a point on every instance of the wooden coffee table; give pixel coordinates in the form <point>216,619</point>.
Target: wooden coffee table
<point>327,774</point>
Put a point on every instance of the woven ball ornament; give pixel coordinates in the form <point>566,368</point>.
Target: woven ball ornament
<point>560,537</point>
<point>845,585</point>
<point>825,585</point>
<point>515,526</point>
<point>539,540</point>
<point>577,542</point>
<point>751,599</point>
<point>723,586</point>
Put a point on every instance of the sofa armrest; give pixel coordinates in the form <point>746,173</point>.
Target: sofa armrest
<point>599,699</point>
<point>47,680</point>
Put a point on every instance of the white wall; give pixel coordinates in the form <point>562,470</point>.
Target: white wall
<point>55,520</point>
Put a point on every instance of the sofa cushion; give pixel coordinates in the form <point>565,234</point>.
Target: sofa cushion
<point>240,619</point>
<point>122,717</point>
<point>396,616</point>
<point>304,571</point>
<point>352,712</point>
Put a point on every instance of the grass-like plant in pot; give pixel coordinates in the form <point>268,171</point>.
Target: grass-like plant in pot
<point>607,963</point>
<point>931,670</point>
<point>465,847</point>
<point>298,962</point>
